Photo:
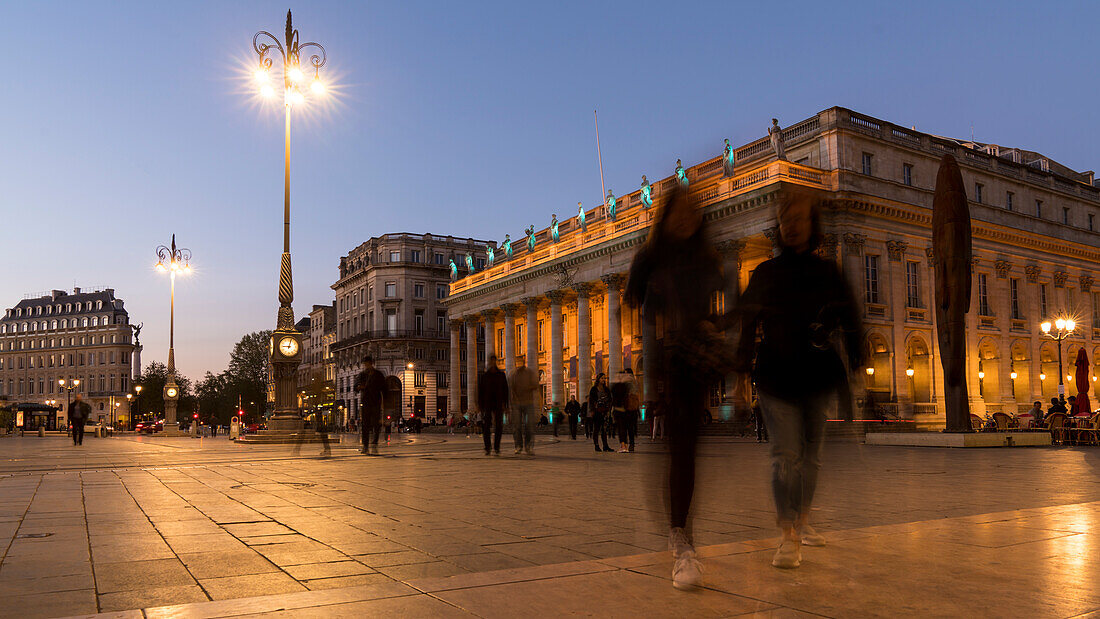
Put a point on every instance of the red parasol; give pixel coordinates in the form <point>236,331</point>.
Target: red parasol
<point>1083,380</point>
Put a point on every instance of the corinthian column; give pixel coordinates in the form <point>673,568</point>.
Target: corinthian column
<point>584,342</point>
<point>490,334</point>
<point>532,356</point>
<point>557,376</point>
<point>614,326</point>
<point>509,310</point>
<point>471,362</point>
<point>456,369</point>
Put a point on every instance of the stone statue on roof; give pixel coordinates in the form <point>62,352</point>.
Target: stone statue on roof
<point>647,193</point>
<point>491,256</point>
<point>681,174</point>
<point>611,203</point>
<point>507,245</point>
<point>470,263</point>
<point>580,217</point>
<point>554,227</point>
<point>727,159</point>
<point>530,238</point>
<point>776,133</point>
<point>454,270</point>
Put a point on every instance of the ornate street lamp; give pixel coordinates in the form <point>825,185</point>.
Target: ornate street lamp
<point>172,260</point>
<point>68,386</point>
<point>1063,327</point>
<point>285,347</point>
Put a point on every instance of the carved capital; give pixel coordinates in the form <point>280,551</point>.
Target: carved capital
<point>509,309</point>
<point>1086,283</point>
<point>853,243</point>
<point>612,280</point>
<point>490,315</point>
<point>582,289</point>
<point>556,296</point>
<point>531,301</point>
<point>931,255</point>
<point>827,248</point>
<point>1031,272</point>
<point>1003,267</point>
<point>456,323</point>
<point>1060,278</point>
<point>896,249</point>
<point>731,249</point>
<point>772,234</point>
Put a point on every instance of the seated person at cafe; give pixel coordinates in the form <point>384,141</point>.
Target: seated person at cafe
<point>1072,405</point>
<point>1056,406</point>
<point>1036,411</point>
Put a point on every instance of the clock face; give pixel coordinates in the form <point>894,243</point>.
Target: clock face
<point>288,346</point>
<point>172,392</point>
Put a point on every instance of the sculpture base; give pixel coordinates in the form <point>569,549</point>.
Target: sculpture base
<point>960,439</point>
<point>286,423</point>
<point>283,437</point>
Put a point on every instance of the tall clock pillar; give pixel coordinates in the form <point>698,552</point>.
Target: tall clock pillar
<point>286,355</point>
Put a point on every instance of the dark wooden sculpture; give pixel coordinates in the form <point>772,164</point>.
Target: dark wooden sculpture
<point>952,251</point>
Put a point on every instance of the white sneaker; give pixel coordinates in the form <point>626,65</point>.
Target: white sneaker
<point>789,555</point>
<point>810,537</point>
<point>687,572</point>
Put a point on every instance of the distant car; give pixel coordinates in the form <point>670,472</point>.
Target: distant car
<point>91,427</point>
<point>149,427</point>
<point>252,428</point>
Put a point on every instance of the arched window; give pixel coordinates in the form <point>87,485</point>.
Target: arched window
<point>68,307</point>
<point>78,306</point>
<point>49,309</point>
<point>99,305</point>
<point>84,322</point>
<point>64,323</point>
<point>58,310</point>
<point>95,321</point>
<point>53,324</point>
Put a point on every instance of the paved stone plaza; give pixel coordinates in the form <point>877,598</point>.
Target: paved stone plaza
<point>205,527</point>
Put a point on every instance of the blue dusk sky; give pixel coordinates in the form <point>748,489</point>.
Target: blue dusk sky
<point>126,122</point>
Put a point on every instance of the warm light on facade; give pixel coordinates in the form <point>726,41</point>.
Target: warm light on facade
<point>870,371</point>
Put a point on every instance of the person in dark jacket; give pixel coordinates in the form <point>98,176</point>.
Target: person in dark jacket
<point>800,302</point>
<point>371,385</point>
<point>674,277</point>
<point>492,399</point>
<point>572,413</point>
<point>599,407</point>
<point>79,412</point>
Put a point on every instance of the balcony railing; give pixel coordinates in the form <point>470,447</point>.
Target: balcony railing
<point>632,218</point>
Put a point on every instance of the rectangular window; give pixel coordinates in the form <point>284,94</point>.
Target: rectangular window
<point>441,321</point>
<point>541,328</point>
<point>1043,302</point>
<point>395,256</point>
<point>420,379</point>
<point>479,264</point>
<point>1065,215</point>
<point>418,291</point>
<point>1014,293</point>
<point>391,290</point>
<point>418,354</point>
<point>418,322</point>
<point>912,284</point>
<point>867,164</point>
<point>983,295</point>
<point>391,322</point>
<point>1008,200</point>
<point>1038,208</point>
<point>907,174</point>
<point>978,192</point>
<point>1096,310</point>
<point>414,256</point>
<point>439,258</point>
<point>870,279</point>
<point>441,379</point>
<point>441,291</point>
<point>441,354</point>
<point>370,293</point>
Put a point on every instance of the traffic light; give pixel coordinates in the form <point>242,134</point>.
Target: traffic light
<point>195,416</point>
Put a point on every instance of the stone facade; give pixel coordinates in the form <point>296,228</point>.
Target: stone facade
<point>78,335</point>
<point>1035,244</point>
<point>389,304</point>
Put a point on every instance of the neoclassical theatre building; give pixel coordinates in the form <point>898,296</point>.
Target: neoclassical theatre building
<point>1036,249</point>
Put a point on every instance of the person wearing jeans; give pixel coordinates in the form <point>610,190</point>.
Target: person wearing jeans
<point>523,388</point>
<point>492,396</point>
<point>803,306</point>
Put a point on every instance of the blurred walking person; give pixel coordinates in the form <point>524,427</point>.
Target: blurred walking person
<point>633,408</point>
<point>492,399</point>
<point>674,276</point>
<point>371,385</point>
<point>524,388</point>
<point>79,411</point>
<point>620,391</point>
<point>599,409</point>
<point>572,412</point>
<point>803,306</point>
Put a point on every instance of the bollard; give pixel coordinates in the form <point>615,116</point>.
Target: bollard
<point>41,431</point>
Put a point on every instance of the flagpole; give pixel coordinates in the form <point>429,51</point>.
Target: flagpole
<point>599,154</point>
